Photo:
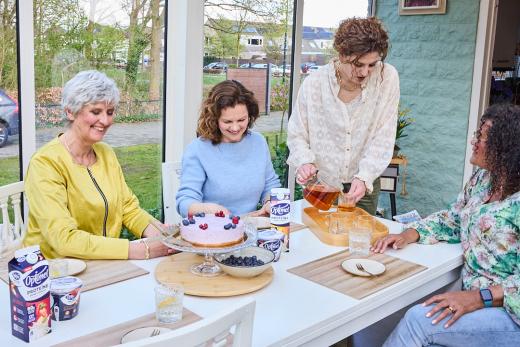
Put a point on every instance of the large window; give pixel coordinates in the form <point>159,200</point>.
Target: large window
<point>251,41</point>
<point>9,108</point>
<point>125,40</point>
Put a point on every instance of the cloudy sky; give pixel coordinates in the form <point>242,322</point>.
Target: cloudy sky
<point>328,13</point>
<point>321,13</point>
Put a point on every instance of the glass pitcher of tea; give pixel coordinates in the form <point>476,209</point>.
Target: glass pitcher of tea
<point>321,191</point>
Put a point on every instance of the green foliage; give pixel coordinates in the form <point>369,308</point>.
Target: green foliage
<point>137,118</point>
<point>223,43</point>
<point>280,98</point>
<point>281,152</point>
<point>403,121</point>
<point>135,51</point>
<point>10,170</point>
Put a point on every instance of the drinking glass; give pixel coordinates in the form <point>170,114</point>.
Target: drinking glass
<point>168,302</point>
<point>58,267</point>
<point>361,235</point>
<point>346,203</point>
<point>341,222</point>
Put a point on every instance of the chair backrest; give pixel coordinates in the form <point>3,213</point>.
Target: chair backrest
<point>11,232</point>
<point>232,327</point>
<point>171,178</point>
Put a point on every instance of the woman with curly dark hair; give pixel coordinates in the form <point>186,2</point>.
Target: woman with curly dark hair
<point>345,118</point>
<point>228,167</point>
<point>486,220</point>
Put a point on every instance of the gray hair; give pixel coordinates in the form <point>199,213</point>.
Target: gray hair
<point>88,87</point>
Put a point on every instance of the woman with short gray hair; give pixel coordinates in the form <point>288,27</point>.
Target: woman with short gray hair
<point>78,198</point>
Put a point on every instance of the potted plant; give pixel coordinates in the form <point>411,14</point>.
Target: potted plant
<point>403,121</point>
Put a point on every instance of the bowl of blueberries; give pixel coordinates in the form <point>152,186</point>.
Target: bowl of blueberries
<point>246,262</point>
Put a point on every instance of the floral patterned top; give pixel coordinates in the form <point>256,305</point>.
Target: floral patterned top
<point>490,237</point>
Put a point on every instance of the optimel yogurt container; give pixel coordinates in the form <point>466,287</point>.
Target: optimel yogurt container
<point>272,240</point>
<point>65,297</point>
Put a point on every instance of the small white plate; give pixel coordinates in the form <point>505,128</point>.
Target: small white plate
<point>374,267</point>
<point>142,333</point>
<point>259,222</point>
<point>76,266</point>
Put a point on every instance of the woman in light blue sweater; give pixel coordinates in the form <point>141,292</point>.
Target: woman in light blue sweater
<point>228,167</point>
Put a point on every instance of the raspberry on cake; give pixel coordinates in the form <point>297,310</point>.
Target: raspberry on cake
<point>216,230</point>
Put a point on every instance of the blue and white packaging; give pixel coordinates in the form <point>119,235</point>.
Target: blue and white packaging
<point>29,288</point>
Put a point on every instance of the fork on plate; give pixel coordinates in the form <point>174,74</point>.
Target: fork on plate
<point>155,332</point>
<point>360,267</point>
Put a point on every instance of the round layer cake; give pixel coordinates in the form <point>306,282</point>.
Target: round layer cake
<point>212,231</point>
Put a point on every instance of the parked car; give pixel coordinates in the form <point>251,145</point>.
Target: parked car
<point>305,66</point>
<point>245,66</point>
<point>263,66</point>
<point>278,72</point>
<point>9,117</point>
<point>215,67</point>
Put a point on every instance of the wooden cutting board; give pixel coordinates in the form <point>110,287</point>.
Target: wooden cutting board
<point>176,269</point>
<point>317,222</point>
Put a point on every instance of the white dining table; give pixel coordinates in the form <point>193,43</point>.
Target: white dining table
<point>290,311</point>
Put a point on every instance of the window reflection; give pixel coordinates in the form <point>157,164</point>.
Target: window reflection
<point>125,40</point>
<point>9,111</point>
<point>251,42</point>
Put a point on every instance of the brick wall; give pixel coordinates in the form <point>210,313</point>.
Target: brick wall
<point>434,56</point>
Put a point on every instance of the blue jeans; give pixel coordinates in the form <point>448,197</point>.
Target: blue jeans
<point>484,327</point>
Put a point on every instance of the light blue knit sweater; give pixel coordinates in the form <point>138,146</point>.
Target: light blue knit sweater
<point>235,175</point>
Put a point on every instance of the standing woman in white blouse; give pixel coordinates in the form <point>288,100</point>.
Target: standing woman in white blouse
<point>345,117</point>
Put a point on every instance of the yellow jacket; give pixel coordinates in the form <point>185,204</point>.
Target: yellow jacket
<point>67,206</point>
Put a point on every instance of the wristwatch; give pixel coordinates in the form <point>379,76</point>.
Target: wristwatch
<point>487,297</point>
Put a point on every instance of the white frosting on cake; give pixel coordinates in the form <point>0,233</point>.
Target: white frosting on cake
<point>215,235</point>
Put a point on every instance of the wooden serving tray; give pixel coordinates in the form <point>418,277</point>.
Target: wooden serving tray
<point>317,222</point>
<point>176,269</point>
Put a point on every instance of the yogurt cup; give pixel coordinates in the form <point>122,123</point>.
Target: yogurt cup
<point>65,297</point>
<point>272,240</point>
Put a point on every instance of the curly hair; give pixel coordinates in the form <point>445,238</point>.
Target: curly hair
<point>359,36</point>
<point>225,94</point>
<point>503,148</point>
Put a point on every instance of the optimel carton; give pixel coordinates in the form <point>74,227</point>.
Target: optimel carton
<point>281,213</point>
<point>29,287</point>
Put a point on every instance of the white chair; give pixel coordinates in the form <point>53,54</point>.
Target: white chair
<point>171,177</point>
<point>233,327</point>
<point>11,234</point>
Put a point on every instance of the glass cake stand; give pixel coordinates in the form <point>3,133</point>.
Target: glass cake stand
<point>209,268</point>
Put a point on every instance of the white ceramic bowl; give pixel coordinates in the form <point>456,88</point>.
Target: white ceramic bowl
<point>246,271</point>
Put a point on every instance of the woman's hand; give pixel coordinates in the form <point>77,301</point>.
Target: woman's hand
<point>357,190</point>
<point>455,304</point>
<point>138,249</point>
<point>396,241</point>
<point>264,211</point>
<point>207,207</point>
<point>305,172</point>
<point>158,249</point>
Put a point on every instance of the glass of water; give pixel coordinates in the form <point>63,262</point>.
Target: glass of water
<point>168,302</point>
<point>341,222</point>
<point>58,267</point>
<point>360,236</point>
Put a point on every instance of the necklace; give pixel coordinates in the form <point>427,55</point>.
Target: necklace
<point>340,80</point>
<point>89,154</point>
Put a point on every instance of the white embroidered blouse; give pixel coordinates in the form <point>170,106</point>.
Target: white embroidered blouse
<point>345,140</point>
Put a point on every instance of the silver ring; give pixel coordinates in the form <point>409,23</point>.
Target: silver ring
<point>452,310</point>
